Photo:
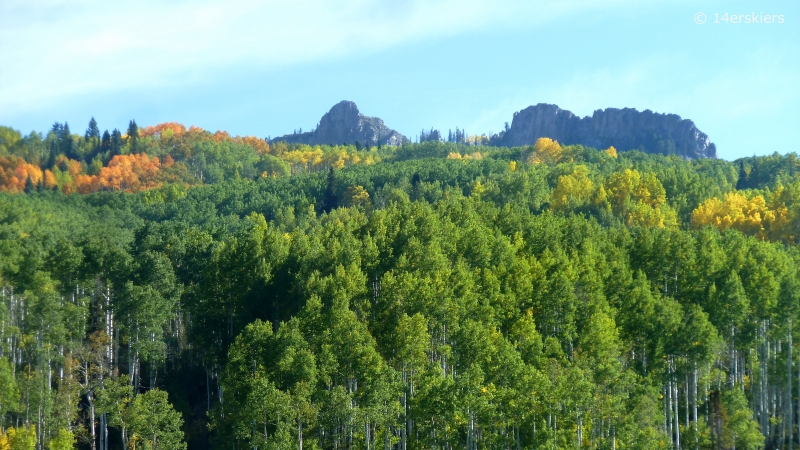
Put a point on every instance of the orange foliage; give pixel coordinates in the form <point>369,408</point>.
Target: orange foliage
<point>259,145</point>
<point>220,136</point>
<point>49,180</point>
<point>14,173</point>
<point>124,172</point>
<point>69,165</point>
<point>166,129</point>
<point>176,131</point>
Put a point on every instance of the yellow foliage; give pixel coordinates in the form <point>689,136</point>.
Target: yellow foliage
<point>639,198</point>
<point>23,438</point>
<point>454,155</point>
<point>477,140</point>
<point>512,166</point>
<point>629,187</point>
<point>65,440</point>
<point>646,216</point>
<point>752,216</point>
<point>735,211</point>
<point>546,151</point>
<point>478,188</point>
<point>611,151</point>
<point>356,196</point>
<point>573,190</point>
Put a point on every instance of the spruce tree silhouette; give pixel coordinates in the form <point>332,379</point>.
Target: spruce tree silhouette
<point>29,185</point>
<point>330,201</point>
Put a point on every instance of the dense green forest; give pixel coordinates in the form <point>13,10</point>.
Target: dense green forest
<point>172,288</point>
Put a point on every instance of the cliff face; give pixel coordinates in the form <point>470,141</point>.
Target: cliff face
<point>625,129</point>
<point>344,124</point>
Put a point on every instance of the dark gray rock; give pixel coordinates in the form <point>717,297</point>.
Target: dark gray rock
<point>625,129</point>
<point>344,124</point>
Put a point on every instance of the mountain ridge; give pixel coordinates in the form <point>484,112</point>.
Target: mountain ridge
<point>625,129</point>
<point>344,124</point>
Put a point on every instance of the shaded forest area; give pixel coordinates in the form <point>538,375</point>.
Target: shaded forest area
<point>172,288</point>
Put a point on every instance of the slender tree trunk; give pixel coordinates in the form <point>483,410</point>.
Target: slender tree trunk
<point>677,413</point>
<point>91,421</point>
<point>669,413</point>
<point>789,402</point>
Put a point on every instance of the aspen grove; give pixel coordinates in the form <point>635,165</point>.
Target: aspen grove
<point>173,288</point>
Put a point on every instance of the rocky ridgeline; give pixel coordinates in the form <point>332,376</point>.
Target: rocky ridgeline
<point>344,124</point>
<point>625,129</point>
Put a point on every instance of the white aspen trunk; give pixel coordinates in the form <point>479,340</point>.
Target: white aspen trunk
<point>469,431</point>
<point>686,398</point>
<point>669,413</point>
<point>300,435</point>
<point>735,359</point>
<point>789,403</point>
<point>91,420</point>
<point>694,403</point>
<point>613,438</point>
<point>555,427</point>
<point>677,415</point>
<point>664,407</point>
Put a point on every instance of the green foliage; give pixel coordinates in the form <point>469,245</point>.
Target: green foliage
<point>412,302</point>
<point>65,440</point>
<point>22,438</point>
<point>153,423</point>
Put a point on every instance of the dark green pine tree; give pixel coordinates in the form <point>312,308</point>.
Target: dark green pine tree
<point>66,144</point>
<point>92,139</point>
<point>741,183</point>
<point>116,143</point>
<point>29,185</point>
<point>92,132</point>
<point>330,201</point>
<point>54,151</point>
<point>133,135</point>
<point>105,142</point>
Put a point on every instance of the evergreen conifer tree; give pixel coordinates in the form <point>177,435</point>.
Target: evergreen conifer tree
<point>92,132</point>
<point>330,201</point>
<point>133,135</point>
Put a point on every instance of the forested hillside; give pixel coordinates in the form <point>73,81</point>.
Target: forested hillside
<point>170,288</point>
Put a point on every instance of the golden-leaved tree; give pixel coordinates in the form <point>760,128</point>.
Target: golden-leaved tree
<point>546,151</point>
<point>774,219</point>
<point>573,190</point>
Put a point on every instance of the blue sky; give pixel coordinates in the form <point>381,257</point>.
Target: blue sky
<point>263,67</point>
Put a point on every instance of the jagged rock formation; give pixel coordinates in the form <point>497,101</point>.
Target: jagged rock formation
<point>625,129</point>
<point>344,124</point>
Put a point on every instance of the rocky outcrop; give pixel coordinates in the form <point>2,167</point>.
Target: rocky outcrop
<point>625,129</point>
<point>344,124</point>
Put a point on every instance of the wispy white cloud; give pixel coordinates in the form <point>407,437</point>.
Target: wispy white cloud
<point>58,49</point>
